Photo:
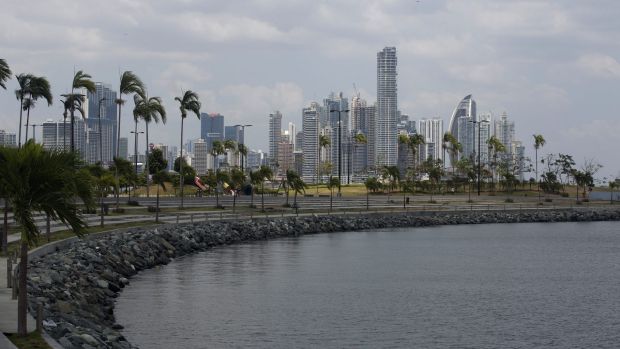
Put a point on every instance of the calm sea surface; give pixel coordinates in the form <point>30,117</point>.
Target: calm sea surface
<point>469,286</point>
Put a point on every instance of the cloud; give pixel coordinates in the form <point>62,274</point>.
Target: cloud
<point>600,65</point>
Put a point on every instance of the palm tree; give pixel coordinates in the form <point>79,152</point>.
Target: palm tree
<point>324,142</point>
<point>255,180</point>
<point>149,110</point>
<point>539,141</point>
<point>391,174</point>
<point>331,185</point>
<point>129,83</point>
<point>188,102</point>
<point>495,146</point>
<point>217,149</point>
<point>359,138</point>
<point>71,102</point>
<point>157,167</point>
<point>23,80</point>
<point>412,142</point>
<point>243,150</point>
<point>80,80</point>
<point>373,184</point>
<point>39,88</point>
<point>237,179</point>
<point>5,72</point>
<point>231,145</point>
<point>266,174</point>
<point>297,184</point>
<point>45,181</point>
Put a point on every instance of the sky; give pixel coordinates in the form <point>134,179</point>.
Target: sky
<point>552,66</point>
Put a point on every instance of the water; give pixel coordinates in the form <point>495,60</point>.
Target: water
<point>470,286</point>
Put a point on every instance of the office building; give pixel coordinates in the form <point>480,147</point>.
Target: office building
<point>201,156</point>
<point>310,126</point>
<point>108,112</point>
<point>275,135</point>
<point>7,139</point>
<point>462,128</point>
<point>432,131</point>
<point>387,107</point>
<point>123,148</point>
<point>211,128</point>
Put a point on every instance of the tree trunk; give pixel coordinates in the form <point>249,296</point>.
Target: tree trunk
<point>5,227</point>
<point>147,161</point>
<point>72,130</point>
<point>157,206</point>
<point>262,197</point>
<point>22,297</point>
<point>48,231</point>
<point>21,103</point>
<point>367,199</point>
<point>27,124</point>
<point>181,177</point>
<point>331,195</point>
<point>118,145</point>
<point>234,200</point>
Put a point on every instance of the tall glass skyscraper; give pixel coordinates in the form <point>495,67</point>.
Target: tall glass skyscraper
<point>387,106</point>
<point>211,128</point>
<point>462,127</point>
<point>108,112</point>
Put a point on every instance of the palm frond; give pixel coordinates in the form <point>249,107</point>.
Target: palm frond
<point>40,88</point>
<point>5,72</point>
<point>131,83</point>
<point>83,80</point>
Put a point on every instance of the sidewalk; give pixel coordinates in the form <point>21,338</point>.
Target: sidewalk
<point>8,307</point>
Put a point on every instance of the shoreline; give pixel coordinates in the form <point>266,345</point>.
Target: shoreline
<point>78,283</point>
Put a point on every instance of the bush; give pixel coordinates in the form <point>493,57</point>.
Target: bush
<point>153,209</point>
<point>90,211</point>
<point>133,203</point>
<point>579,203</point>
<point>509,200</point>
<point>564,195</point>
<point>548,200</point>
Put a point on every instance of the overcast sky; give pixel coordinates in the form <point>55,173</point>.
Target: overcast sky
<point>551,65</point>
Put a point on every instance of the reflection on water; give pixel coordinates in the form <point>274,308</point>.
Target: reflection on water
<point>476,286</point>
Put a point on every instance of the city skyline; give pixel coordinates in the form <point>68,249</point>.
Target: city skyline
<point>549,65</point>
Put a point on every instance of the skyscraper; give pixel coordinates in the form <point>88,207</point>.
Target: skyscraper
<point>211,128</point>
<point>275,136</point>
<point>432,131</point>
<point>387,106</point>
<point>338,124</point>
<point>505,131</point>
<point>7,139</point>
<point>234,133</point>
<point>123,148</point>
<point>108,112</point>
<point>200,157</point>
<point>310,126</point>
<point>462,128</point>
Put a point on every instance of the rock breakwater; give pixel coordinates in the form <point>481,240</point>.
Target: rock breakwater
<point>77,284</point>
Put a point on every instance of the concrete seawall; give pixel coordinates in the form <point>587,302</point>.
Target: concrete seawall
<point>77,281</point>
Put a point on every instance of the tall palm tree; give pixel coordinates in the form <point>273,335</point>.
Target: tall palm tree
<point>129,83</point>
<point>496,147</point>
<point>71,102</point>
<point>231,145</point>
<point>412,142</point>
<point>188,102</point>
<point>23,80</point>
<point>149,109</point>
<point>81,80</point>
<point>539,141</point>
<point>297,184</point>
<point>266,174</point>
<point>5,73</point>
<point>39,88</point>
<point>243,151</point>
<point>217,149</point>
<point>324,142</point>
<point>359,138</point>
<point>44,181</point>
<point>237,180</point>
<point>331,185</point>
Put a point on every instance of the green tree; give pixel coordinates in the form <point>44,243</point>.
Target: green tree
<point>612,185</point>
<point>371,184</point>
<point>434,169</point>
<point>188,102</point>
<point>71,102</point>
<point>296,184</point>
<point>23,80</point>
<point>255,181</point>
<point>358,139</point>
<point>231,145</point>
<point>539,141</point>
<point>149,109</point>
<point>331,185</point>
<point>324,142</point>
<point>390,176</point>
<point>103,180</point>
<point>157,165</point>
<point>495,147</point>
<point>185,171</point>
<point>266,174</point>
<point>5,73</point>
<point>45,181</point>
<point>81,80</point>
<point>237,180</point>
<point>129,83</point>
<point>39,87</point>
<point>222,182</point>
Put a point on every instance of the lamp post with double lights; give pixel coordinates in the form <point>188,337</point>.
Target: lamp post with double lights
<point>241,144</point>
<point>478,122</point>
<point>339,146</point>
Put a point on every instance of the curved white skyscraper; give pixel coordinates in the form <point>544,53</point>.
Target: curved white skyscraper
<point>462,128</point>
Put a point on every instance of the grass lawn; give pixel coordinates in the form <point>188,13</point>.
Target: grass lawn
<point>32,341</point>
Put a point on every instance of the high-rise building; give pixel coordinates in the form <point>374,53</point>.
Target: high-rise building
<point>484,127</point>
<point>462,128</point>
<point>7,139</point>
<point>55,136</point>
<point>275,135</point>
<point>105,141</point>
<point>339,134</point>
<point>387,107</point>
<point>292,133</point>
<point>310,126</point>
<point>201,155</point>
<point>432,131</point>
<point>234,133</point>
<point>286,158</point>
<point>299,141</point>
<point>211,128</point>
<point>123,148</point>
<point>108,112</point>
<point>371,137</point>
<point>505,131</point>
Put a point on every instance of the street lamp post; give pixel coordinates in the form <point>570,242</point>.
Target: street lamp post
<point>34,135</point>
<point>339,146</point>
<point>243,132</point>
<point>477,122</point>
